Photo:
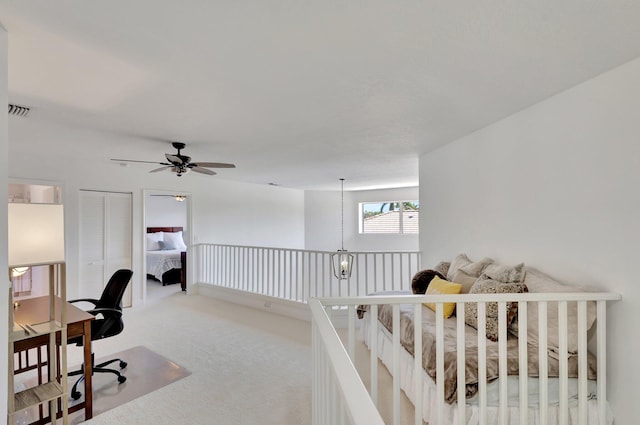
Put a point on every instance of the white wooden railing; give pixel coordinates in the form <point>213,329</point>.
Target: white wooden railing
<point>296,274</point>
<point>337,400</point>
<point>339,396</point>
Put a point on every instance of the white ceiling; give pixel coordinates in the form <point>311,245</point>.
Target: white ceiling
<point>300,93</point>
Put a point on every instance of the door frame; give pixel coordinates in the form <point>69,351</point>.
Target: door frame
<point>187,235</point>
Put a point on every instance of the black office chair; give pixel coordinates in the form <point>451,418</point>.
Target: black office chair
<point>108,322</point>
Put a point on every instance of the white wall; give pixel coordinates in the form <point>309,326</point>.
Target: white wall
<point>555,186</point>
<point>246,214</point>
<point>165,211</point>
<point>4,184</point>
<point>322,221</point>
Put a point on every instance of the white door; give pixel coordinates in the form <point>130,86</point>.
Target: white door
<point>105,240</point>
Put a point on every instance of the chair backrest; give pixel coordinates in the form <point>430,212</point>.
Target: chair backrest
<point>114,291</point>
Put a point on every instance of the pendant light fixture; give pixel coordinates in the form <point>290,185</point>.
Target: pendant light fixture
<point>342,261</point>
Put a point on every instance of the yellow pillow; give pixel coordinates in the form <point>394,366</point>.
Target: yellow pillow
<point>438,287</point>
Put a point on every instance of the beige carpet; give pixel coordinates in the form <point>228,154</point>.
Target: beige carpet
<point>248,366</point>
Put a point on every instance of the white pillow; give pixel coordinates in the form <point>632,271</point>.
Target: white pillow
<point>174,241</point>
<point>153,240</point>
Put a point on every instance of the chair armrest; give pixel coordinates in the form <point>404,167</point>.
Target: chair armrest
<point>105,311</point>
<point>89,300</point>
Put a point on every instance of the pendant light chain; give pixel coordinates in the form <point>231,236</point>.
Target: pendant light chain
<point>342,261</point>
<point>342,218</point>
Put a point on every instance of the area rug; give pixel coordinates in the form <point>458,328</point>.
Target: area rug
<point>146,372</point>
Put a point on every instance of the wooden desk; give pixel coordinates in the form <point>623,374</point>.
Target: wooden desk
<point>36,310</point>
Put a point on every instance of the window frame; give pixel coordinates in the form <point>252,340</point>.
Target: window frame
<point>401,227</point>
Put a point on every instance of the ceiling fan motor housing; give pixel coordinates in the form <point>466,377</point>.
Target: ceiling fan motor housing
<point>181,164</point>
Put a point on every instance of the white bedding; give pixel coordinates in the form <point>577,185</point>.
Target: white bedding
<point>158,262</point>
<point>430,403</point>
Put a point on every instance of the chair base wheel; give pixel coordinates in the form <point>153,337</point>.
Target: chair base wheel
<point>121,379</point>
<point>76,395</point>
<point>123,364</point>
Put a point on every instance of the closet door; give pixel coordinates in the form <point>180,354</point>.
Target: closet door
<point>105,240</point>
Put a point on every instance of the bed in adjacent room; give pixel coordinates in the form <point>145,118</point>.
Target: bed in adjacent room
<point>166,255</point>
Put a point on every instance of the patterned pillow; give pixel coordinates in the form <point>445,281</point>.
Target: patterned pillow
<point>442,267</point>
<point>490,286</point>
<point>505,274</point>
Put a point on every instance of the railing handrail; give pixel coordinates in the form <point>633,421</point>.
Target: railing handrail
<point>448,298</point>
<point>304,250</point>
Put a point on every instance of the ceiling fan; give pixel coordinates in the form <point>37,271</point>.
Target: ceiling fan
<point>181,164</point>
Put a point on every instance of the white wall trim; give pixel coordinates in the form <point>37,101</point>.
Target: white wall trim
<point>274,305</point>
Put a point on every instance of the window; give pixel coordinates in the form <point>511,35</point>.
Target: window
<point>395,217</point>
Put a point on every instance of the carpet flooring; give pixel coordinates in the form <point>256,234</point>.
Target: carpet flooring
<point>248,366</point>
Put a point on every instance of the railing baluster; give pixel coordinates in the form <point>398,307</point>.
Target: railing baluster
<point>298,275</point>
<point>396,364</point>
<point>373,344</point>
<point>601,321</point>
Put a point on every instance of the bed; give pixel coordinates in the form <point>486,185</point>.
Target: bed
<point>483,388</point>
<point>166,256</point>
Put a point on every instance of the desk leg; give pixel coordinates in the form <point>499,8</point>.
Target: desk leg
<point>88,372</point>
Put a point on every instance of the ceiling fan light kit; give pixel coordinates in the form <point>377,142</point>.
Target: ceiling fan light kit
<point>181,164</point>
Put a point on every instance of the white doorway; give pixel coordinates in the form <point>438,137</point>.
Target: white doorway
<point>169,212</point>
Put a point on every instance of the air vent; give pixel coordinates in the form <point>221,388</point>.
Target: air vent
<point>18,111</point>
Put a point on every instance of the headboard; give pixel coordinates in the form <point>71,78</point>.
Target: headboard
<point>163,229</point>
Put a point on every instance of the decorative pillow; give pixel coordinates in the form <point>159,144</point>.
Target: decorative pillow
<point>465,280</point>
<point>489,286</point>
<point>440,286</point>
<point>505,274</point>
<point>475,269</point>
<point>166,246</point>
<point>442,267</point>
<point>537,281</point>
<point>174,240</point>
<point>152,241</point>
<point>421,280</point>
<point>460,261</point>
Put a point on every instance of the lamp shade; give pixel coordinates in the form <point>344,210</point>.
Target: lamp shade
<point>36,234</point>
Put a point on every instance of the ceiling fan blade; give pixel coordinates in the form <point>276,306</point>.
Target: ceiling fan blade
<point>173,158</point>
<point>166,167</point>
<point>135,160</point>
<point>202,170</point>
<point>213,165</point>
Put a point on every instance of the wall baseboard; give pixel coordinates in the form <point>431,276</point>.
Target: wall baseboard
<point>274,305</point>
